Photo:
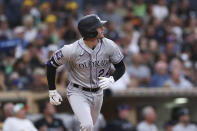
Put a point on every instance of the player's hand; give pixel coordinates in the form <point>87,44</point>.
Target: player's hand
<point>105,82</point>
<point>55,97</point>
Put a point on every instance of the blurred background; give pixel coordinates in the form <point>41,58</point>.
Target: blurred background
<point>157,37</point>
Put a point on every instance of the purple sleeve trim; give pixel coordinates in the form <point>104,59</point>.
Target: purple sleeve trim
<point>118,60</point>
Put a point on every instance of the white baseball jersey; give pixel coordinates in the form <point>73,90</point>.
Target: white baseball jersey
<point>85,65</point>
<point>180,127</point>
<point>16,124</point>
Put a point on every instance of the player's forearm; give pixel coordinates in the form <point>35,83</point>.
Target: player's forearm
<point>51,73</point>
<point>120,70</point>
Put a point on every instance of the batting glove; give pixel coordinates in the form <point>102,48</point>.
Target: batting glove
<point>55,97</point>
<point>105,82</point>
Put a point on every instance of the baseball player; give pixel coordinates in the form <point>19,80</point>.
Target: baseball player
<point>89,60</point>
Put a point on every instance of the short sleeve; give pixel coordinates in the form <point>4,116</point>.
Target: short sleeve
<point>116,55</point>
<point>62,55</point>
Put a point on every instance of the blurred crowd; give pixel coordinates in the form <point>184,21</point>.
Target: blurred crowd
<point>158,39</point>
<point>15,118</point>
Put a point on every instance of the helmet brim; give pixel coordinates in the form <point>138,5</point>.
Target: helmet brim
<point>103,22</point>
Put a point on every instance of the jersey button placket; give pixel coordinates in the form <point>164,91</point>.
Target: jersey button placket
<point>90,72</point>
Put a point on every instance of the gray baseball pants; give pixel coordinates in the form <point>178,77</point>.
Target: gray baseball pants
<point>85,105</point>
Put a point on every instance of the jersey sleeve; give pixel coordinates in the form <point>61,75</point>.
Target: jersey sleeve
<point>115,53</point>
<point>62,55</point>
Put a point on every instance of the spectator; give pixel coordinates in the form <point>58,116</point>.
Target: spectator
<point>72,9</point>
<point>148,59</point>
<point>120,8</point>
<point>19,32</point>
<point>143,43</point>
<point>43,32</point>
<point>8,110</point>
<point>154,47</point>
<point>149,119</point>
<point>108,14</point>
<point>2,81</point>
<point>144,76</point>
<point>177,80</point>
<point>111,32</point>
<point>189,46</point>
<point>45,9</point>
<point>175,23</point>
<point>30,31</point>
<point>189,72</point>
<point>185,11</point>
<point>122,122</point>
<point>5,32</point>
<point>29,8</point>
<point>35,57</point>
<point>58,8</point>
<point>161,74</point>
<point>51,21</point>
<point>89,9</point>
<point>140,8</point>
<point>168,126</point>
<point>128,30</point>
<point>67,32</point>
<point>39,82</point>
<point>160,10</point>
<point>124,44</point>
<point>184,121</point>
<point>18,122</point>
<point>24,74</point>
<point>170,50</point>
<point>14,82</point>
<point>176,64</point>
<point>49,122</point>
<point>13,12</point>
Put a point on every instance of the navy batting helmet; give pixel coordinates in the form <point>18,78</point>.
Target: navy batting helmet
<point>88,24</point>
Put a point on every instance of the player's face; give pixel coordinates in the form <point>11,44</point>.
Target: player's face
<point>100,31</point>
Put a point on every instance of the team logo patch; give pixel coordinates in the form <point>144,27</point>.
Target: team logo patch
<point>59,55</point>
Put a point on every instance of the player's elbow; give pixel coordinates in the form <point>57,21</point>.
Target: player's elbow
<point>50,67</point>
<point>52,63</point>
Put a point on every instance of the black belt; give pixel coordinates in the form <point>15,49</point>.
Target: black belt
<point>86,89</point>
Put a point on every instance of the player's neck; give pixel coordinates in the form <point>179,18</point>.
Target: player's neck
<point>91,42</point>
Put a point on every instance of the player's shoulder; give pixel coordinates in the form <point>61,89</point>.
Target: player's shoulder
<point>107,41</point>
<point>71,45</point>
